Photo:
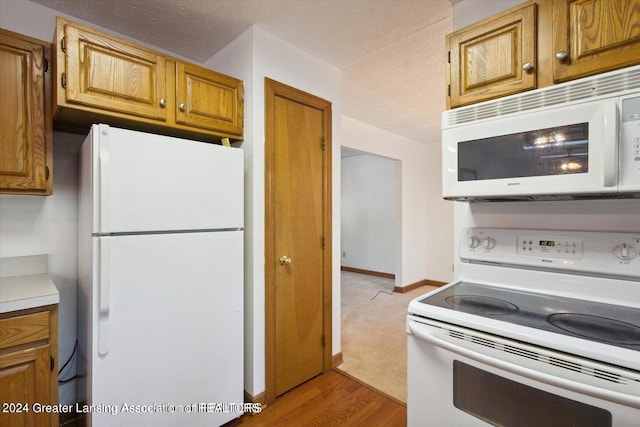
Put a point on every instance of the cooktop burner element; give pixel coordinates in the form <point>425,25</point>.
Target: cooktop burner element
<point>479,304</point>
<point>597,328</point>
<point>607,323</point>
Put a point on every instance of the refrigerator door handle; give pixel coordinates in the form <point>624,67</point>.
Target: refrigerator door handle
<point>105,180</point>
<point>104,288</point>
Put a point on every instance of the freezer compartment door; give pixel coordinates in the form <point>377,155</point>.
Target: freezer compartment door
<point>147,182</point>
<point>169,329</point>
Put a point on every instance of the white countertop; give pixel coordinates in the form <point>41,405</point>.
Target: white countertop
<point>25,283</point>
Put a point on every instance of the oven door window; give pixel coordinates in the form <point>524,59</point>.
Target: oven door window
<point>553,151</point>
<point>503,402</point>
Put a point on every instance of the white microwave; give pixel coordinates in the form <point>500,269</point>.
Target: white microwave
<point>574,140</point>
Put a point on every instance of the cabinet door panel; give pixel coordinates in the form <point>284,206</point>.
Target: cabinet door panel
<point>208,100</point>
<point>597,35</point>
<point>487,59</point>
<point>113,75</point>
<point>22,122</point>
<point>24,380</point>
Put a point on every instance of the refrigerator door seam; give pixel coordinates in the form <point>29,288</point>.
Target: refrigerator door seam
<point>149,232</point>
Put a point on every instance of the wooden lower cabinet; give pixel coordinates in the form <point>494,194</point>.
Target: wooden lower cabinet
<point>29,368</point>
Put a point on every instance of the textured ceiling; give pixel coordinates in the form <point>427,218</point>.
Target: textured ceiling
<point>391,52</point>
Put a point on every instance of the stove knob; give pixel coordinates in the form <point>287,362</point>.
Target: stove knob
<point>625,252</point>
<point>488,243</point>
<point>473,242</point>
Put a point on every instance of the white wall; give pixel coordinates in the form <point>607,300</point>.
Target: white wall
<point>254,55</point>
<point>468,12</point>
<point>368,213</point>
<point>424,248</point>
<point>32,225</point>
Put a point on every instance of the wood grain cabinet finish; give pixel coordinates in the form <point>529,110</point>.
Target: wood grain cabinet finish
<point>102,78</point>
<point>28,366</point>
<point>105,73</point>
<point>493,58</point>
<point>208,100</point>
<point>593,36</point>
<point>26,161</point>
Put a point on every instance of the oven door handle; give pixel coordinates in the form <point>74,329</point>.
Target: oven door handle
<point>423,332</point>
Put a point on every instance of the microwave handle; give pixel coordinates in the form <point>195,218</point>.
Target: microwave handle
<point>610,144</point>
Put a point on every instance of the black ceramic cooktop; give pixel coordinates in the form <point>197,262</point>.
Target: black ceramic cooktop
<point>607,323</point>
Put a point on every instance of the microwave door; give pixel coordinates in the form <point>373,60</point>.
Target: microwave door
<point>555,153</point>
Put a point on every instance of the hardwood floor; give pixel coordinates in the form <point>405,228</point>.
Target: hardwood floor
<point>330,399</point>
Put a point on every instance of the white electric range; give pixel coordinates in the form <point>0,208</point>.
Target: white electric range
<point>541,328</point>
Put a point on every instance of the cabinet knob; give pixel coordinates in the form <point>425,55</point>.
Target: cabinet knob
<point>163,102</point>
<point>562,55</point>
<point>527,66</point>
<point>182,107</point>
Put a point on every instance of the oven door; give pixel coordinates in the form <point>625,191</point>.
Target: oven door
<point>462,377</point>
<point>558,151</point>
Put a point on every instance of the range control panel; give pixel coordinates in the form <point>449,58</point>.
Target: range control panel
<point>549,246</point>
<point>606,253</point>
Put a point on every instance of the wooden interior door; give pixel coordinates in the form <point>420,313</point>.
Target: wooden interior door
<point>297,242</point>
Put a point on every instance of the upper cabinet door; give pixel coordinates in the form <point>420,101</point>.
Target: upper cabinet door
<point>114,75</point>
<point>208,100</point>
<point>25,121</point>
<point>592,36</point>
<point>494,58</point>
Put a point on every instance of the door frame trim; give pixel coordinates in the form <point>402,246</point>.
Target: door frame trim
<point>275,89</point>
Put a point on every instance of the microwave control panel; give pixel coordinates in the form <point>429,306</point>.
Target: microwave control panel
<point>630,144</point>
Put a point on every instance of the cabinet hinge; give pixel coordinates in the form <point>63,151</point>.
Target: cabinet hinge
<point>46,65</point>
<point>52,362</point>
<point>448,90</point>
<point>323,144</point>
<point>449,57</point>
<point>323,243</point>
<point>63,45</point>
<point>46,172</point>
<point>323,340</point>
<point>63,80</point>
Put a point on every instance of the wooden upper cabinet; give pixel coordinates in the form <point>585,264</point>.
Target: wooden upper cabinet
<point>495,57</point>
<point>592,36</point>
<point>110,74</point>
<point>102,78</point>
<point>208,100</point>
<point>26,159</point>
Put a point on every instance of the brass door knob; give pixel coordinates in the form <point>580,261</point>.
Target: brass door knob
<point>285,260</point>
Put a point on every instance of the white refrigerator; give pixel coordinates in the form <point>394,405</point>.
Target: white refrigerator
<point>160,293</point>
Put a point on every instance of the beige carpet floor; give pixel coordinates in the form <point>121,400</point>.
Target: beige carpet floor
<point>374,340</point>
